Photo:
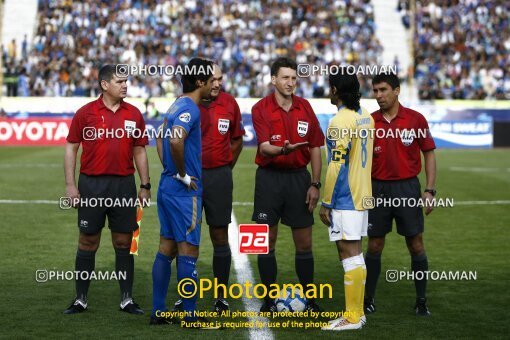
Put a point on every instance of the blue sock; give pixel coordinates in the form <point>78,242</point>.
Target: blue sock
<point>161,271</point>
<point>186,269</point>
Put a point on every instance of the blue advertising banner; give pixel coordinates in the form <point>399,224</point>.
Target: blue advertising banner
<point>462,134</point>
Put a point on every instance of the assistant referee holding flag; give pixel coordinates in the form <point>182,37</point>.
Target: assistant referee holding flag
<point>107,172</point>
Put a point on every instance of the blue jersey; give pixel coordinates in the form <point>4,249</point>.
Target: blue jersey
<point>186,114</point>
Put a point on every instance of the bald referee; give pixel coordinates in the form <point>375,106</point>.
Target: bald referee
<point>106,172</point>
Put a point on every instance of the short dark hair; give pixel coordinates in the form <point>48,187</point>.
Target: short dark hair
<point>106,73</point>
<point>282,62</point>
<point>204,71</point>
<point>388,77</point>
<point>347,89</point>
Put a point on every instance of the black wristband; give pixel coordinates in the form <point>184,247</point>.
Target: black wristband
<point>317,185</point>
<point>431,191</point>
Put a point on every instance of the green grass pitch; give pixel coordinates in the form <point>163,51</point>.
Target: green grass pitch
<point>471,237</point>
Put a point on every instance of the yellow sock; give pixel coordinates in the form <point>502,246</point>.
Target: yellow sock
<point>353,284</point>
<point>362,310</point>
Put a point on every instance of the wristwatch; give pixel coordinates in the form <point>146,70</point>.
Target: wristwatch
<point>431,191</point>
<point>145,186</point>
<point>317,185</point>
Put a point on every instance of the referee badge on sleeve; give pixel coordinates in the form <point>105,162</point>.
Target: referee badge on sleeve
<point>302,128</point>
<point>223,125</point>
<point>129,126</point>
<point>407,137</point>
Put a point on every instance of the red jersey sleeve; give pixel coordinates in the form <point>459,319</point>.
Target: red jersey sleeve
<point>143,139</point>
<point>316,137</point>
<point>425,143</point>
<point>76,129</point>
<point>237,128</point>
<point>261,126</point>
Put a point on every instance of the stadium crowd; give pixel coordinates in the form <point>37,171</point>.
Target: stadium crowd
<point>73,38</point>
<point>461,48</point>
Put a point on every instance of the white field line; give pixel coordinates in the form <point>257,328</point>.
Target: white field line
<point>48,165</point>
<point>494,202</point>
<point>481,202</point>
<point>244,166</point>
<point>244,273</point>
<point>478,169</point>
<point>31,165</point>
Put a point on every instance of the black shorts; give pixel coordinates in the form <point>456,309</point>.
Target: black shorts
<point>217,195</point>
<point>122,219</point>
<point>409,220</point>
<point>282,194</point>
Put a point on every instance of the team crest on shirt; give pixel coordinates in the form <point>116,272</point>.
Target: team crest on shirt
<point>185,117</point>
<point>407,137</point>
<point>223,125</point>
<point>302,128</point>
<point>129,126</point>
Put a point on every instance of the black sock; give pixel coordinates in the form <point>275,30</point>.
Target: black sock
<point>125,263</point>
<point>222,258</point>
<point>304,269</point>
<point>267,270</point>
<point>85,262</point>
<point>373,263</point>
<point>420,263</point>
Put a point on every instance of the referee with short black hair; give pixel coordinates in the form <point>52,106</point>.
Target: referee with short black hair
<point>289,137</point>
<point>395,167</point>
<point>104,128</point>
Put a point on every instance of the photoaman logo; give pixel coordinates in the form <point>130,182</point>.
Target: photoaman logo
<point>253,238</point>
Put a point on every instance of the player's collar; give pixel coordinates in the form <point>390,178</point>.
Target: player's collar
<point>277,106</point>
<point>213,102</point>
<point>401,111</point>
<point>101,104</point>
<point>342,106</point>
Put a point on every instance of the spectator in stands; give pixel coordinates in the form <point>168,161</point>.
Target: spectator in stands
<point>461,49</point>
<point>11,50</point>
<point>23,85</point>
<point>24,48</point>
<point>11,79</point>
<point>243,36</point>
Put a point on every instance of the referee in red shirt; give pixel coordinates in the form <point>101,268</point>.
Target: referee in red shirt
<point>106,172</point>
<point>222,142</point>
<point>289,137</point>
<point>396,165</point>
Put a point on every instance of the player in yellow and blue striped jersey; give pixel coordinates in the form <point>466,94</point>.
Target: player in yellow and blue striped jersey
<point>348,181</point>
